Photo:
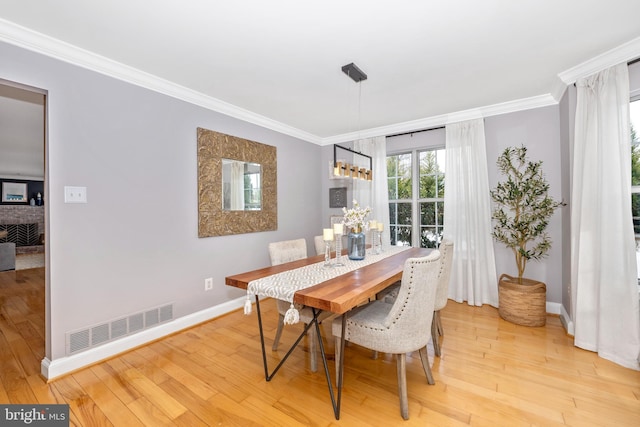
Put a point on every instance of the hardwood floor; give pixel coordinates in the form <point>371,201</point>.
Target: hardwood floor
<point>491,373</point>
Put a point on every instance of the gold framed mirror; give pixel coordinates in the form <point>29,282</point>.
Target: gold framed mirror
<point>213,218</point>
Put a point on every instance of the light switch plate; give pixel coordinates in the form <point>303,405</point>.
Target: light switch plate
<point>75,194</point>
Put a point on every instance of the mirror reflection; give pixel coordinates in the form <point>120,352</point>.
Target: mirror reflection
<point>241,186</point>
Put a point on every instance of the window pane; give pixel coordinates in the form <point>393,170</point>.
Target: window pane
<point>400,223</point>
<point>634,109</point>
<point>399,176</point>
<point>427,187</point>
<point>404,188</point>
<point>393,213</point>
<point>430,237</point>
<point>431,174</point>
<point>440,185</point>
<point>393,188</point>
<point>400,235</point>
<point>428,213</point>
<point>404,214</point>
<point>635,212</point>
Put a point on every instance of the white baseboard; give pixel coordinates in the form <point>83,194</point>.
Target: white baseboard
<point>51,369</point>
<point>557,308</point>
<point>553,307</point>
<point>567,322</point>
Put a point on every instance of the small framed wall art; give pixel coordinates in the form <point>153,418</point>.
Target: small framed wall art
<point>14,192</point>
<point>338,197</point>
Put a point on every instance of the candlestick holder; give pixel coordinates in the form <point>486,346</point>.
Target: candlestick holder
<point>377,244</point>
<point>327,253</point>
<point>380,248</point>
<point>338,262</point>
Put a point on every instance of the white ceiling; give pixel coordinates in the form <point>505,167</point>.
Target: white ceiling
<point>279,62</point>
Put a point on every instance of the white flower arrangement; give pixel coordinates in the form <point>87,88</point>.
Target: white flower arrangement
<point>356,217</point>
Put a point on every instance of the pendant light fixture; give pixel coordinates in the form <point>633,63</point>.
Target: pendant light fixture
<point>341,169</point>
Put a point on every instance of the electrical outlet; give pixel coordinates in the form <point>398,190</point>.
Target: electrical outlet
<point>208,284</point>
<point>75,194</point>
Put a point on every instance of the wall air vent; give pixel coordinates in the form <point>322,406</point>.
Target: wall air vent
<point>91,336</point>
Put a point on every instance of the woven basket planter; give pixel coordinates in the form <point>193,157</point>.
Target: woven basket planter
<point>524,304</point>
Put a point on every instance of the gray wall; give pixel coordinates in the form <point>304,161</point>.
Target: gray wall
<point>134,245</point>
<point>567,108</point>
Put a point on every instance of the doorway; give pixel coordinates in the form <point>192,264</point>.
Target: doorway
<point>23,213</point>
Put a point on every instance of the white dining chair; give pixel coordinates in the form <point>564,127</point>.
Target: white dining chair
<point>287,251</point>
<point>442,294</point>
<point>397,328</point>
<point>320,245</point>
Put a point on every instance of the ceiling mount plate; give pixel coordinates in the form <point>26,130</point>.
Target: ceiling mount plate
<point>354,72</point>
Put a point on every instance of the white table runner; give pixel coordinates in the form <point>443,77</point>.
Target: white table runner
<point>284,285</point>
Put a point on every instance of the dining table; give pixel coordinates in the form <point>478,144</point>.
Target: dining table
<point>324,289</point>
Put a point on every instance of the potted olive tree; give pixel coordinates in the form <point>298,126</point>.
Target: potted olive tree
<point>522,209</point>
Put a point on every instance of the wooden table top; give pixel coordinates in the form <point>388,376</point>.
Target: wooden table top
<point>341,293</point>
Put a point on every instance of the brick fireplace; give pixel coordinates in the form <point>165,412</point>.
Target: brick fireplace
<point>24,226</point>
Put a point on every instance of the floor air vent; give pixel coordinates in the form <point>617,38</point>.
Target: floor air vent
<point>92,336</point>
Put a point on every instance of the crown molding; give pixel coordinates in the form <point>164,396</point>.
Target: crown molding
<point>558,88</point>
<point>623,53</point>
<point>435,121</point>
<point>37,42</point>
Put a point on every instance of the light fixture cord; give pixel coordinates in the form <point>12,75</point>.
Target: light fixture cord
<point>359,107</point>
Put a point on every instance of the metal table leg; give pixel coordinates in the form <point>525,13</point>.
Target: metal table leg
<point>314,322</point>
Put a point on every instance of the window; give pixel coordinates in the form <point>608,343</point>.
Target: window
<point>400,186</point>
<point>635,165</point>
<point>416,207</point>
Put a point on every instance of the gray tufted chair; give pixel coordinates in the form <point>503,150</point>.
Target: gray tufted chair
<point>442,294</point>
<point>287,251</point>
<point>398,328</point>
<point>319,244</point>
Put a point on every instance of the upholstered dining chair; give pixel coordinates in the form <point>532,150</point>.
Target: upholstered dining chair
<point>319,244</point>
<point>442,294</point>
<point>397,328</point>
<point>287,251</point>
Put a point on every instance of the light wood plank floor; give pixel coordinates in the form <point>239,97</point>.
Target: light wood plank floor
<point>491,373</point>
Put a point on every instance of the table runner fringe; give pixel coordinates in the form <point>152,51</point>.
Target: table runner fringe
<point>292,316</point>
<point>247,305</point>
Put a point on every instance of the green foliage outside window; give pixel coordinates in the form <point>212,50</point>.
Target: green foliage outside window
<point>635,179</point>
<point>428,201</point>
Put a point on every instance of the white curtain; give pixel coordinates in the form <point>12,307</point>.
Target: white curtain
<point>603,255</point>
<point>467,215</point>
<point>374,193</point>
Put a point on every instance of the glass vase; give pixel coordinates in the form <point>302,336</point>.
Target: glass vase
<point>356,248</point>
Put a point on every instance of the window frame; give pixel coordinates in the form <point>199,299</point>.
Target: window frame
<point>416,200</point>
<point>635,189</point>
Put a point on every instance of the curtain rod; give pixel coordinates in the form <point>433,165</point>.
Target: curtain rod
<point>415,131</point>
<point>631,62</point>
